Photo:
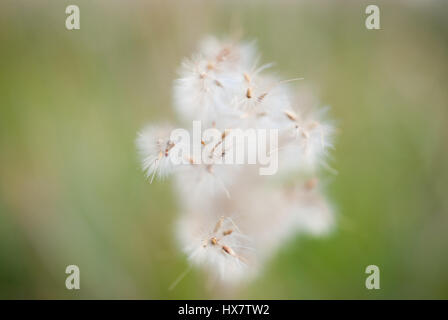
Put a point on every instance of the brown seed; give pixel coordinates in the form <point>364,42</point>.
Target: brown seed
<point>261,97</point>
<point>246,77</point>
<point>169,146</point>
<point>228,250</point>
<point>214,241</point>
<point>227,232</point>
<point>249,93</point>
<point>291,115</point>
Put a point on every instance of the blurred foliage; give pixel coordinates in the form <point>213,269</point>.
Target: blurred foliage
<point>71,102</point>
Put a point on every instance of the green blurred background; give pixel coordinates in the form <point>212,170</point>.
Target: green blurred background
<point>71,102</point>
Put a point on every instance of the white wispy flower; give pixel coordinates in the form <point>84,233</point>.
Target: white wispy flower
<point>155,147</point>
<point>224,86</point>
<point>307,140</point>
<point>219,247</point>
<point>228,54</point>
<point>208,79</point>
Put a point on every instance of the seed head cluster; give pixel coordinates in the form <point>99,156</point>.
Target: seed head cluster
<point>233,219</point>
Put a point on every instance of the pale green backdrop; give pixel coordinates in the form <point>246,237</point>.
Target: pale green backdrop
<point>71,102</point>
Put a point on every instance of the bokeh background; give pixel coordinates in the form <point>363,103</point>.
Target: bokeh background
<point>71,102</point>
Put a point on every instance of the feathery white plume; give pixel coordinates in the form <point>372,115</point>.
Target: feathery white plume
<point>224,88</point>
<point>216,245</point>
<point>155,146</point>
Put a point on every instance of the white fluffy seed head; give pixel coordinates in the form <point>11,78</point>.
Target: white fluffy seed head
<point>227,54</point>
<point>155,149</point>
<point>223,87</point>
<point>306,140</point>
<point>217,245</point>
<point>209,79</point>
